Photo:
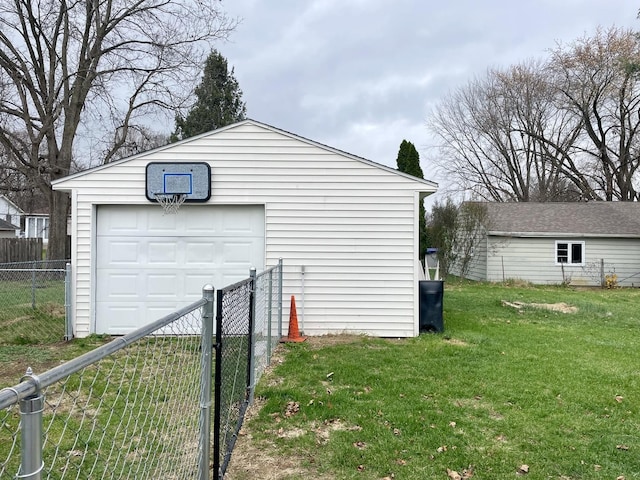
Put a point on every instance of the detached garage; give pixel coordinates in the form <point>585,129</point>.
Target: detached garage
<point>347,225</point>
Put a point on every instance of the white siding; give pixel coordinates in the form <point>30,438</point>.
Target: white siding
<point>533,260</point>
<point>351,224</point>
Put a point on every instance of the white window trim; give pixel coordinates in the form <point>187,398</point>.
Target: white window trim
<point>569,244</point>
<point>37,227</point>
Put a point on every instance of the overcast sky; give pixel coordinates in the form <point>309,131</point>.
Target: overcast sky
<point>362,75</point>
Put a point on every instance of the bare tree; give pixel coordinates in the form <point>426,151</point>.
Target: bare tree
<point>565,129</point>
<point>599,81</point>
<point>92,65</point>
<point>494,133</point>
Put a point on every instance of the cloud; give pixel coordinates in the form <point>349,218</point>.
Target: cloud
<point>362,75</point>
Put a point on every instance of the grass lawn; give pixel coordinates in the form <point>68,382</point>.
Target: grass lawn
<point>504,392</point>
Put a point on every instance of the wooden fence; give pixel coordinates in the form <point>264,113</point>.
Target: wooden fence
<point>20,249</point>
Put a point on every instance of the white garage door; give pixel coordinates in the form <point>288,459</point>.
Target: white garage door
<point>149,264</point>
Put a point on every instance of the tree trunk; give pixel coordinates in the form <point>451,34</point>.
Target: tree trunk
<point>59,212</point>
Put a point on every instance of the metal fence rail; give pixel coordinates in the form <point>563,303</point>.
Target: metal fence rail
<point>128,409</point>
<point>35,302</point>
<point>141,405</point>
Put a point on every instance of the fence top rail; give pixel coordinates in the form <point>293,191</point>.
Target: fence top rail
<point>267,271</point>
<point>236,285</point>
<point>32,270</point>
<point>31,384</point>
<point>33,262</point>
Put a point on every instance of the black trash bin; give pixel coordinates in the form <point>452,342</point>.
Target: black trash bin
<point>431,293</point>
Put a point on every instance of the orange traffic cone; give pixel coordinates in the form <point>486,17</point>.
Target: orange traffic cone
<point>294,332</point>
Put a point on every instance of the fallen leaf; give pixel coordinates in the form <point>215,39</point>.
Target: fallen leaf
<point>622,447</point>
<point>523,469</point>
<point>396,431</point>
<point>291,409</point>
<point>467,473</point>
<point>401,461</point>
<point>452,424</point>
<point>597,467</point>
<point>621,477</point>
<point>441,449</point>
<point>360,445</point>
<point>453,475</point>
<point>329,375</point>
<point>619,398</point>
<point>361,468</point>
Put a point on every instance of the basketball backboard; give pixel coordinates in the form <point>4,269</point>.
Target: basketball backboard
<point>191,180</point>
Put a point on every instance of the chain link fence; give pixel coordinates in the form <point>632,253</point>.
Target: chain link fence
<point>248,326</point>
<point>34,302</point>
<point>128,409</point>
<point>141,405</point>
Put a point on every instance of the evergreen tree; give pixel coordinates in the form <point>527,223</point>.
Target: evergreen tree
<point>219,101</point>
<point>409,162</point>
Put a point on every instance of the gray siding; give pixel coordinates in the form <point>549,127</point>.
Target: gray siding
<point>533,260</point>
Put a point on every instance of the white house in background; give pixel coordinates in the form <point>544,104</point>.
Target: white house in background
<point>28,224</point>
<point>11,214</point>
<point>576,243</point>
<point>349,223</point>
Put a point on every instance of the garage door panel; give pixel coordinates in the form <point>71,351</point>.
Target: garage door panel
<point>200,223</point>
<point>148,264</point>
<point>202,252</point>
<point>162,253</point>
<point>120,252</point>
<point>127,221</point>
<point>164,285</point>
<point>120,319</point>
<point>193,284</point>
<point>157,223</point>
<point>122,286</point>
<point>237,253</point>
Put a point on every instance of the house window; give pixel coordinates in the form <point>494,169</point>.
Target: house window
<point>38,227</point>
<point>571,253</point>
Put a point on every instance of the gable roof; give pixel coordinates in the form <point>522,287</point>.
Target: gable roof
<point>429,183</point>
<point>594,219</point>
<point>5,199</point>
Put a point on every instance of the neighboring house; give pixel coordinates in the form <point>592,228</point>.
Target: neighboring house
<point>12,214</point>
<point>351,225</point>
<point>7,230</point>
<point>554,243</point>
<point>29,224</point>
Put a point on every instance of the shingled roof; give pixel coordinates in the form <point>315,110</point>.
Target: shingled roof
<point>6,226</point>
<point>610,219</point>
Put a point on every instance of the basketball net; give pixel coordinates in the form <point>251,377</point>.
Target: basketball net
<point>170,202</point>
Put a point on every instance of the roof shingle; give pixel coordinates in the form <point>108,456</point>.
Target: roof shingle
<point>616,219</point>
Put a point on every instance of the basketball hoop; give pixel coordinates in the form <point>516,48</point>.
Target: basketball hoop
<point>170,202</point>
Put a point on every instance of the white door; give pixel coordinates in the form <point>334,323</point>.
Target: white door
<point>148,264</point>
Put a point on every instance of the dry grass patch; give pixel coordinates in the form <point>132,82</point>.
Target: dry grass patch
<point>560,307</point>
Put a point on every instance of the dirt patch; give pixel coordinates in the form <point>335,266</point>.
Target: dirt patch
<point>253,460</point>
<point>456,342</point>
<point>554,307</point>
<point>322,341</point>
